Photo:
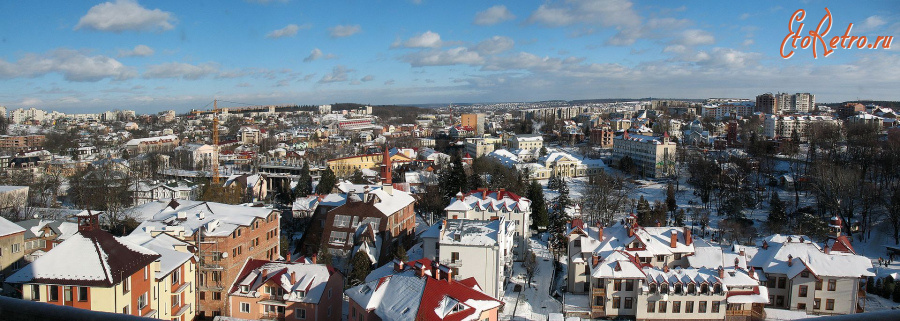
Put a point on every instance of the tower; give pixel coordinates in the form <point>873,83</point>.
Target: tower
<point>834,227</point>
<point>386,173</point>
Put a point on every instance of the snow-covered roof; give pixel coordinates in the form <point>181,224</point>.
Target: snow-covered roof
<point>488,200</point>
<point>157,139</point>
<point>7,227</point>
<point>218,219</point>
<point>617,265</point>
<point>474,232</point>
<point>301,282</point>
<point>791,255</point>
<point>424,298</point>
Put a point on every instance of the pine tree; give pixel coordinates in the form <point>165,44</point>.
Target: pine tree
<point>360,267</point>
<point>777,221</point>
<point>400,252</point>
<point>888,287</point>
<point>896,292</point>
<point>326,182</point>
<point>870,285</point>
<point>671,203</point>
<point>358,177</point>
<point>679,217</point>
<point>453,180</point>
<point>562,201</point>
<point>304,184</point>
<point>539,216</point>
<point>643,212</point>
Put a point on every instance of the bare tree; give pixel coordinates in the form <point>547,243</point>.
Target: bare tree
<point>606,197</point>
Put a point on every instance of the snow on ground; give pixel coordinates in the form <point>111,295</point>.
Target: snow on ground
<point>415,253</point>
<point>534,301</point>
<point>781,314</point>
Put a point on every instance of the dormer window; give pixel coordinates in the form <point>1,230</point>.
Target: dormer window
<point>692,289</point>
<point>678,289</point>
<point>717,289</point>
<point>664,288</point>
<point>704,288</point>
<point>245,288</point>
<point>652,288</point>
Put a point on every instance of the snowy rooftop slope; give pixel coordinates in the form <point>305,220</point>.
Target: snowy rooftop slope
<point>474,232</point>
<point>409,269</point>
<point>381,295</point>
<point>218,219</point>
<point>302,282</point>
<point>137,141</point>
<point>656,240</point>
<point>713,257</point>
<point>807,255</point>
<point>424,298</point>
<point>90,258</point>
<point>7,227</point>
<point>617,265</point>
<point>173,251</point>
<point>488,200</point>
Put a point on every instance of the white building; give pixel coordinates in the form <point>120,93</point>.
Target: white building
<point>781,126</point>
<point>145,191</point>
<point>473,248</point>
<point>535,141</point>
<point>484,204</point>
<point>654,156</point>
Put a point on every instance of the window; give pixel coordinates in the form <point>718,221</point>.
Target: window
<point>651,307</point>
<point>217,295</point>
<point>715,306</point>
<point>341,221</point>
<point>202,295</point>
<point>629,285</point>
<point>832,284</point>
<point>176,300</point>
<point>629,303</point>
<point>15,248</point>
<point>617,285</point>
<point>803,291</point>
<point>245,288</point>
<point>35,293</point>
<point>338,237</point>
<point>677,256</point>
<point>663,288</point>
<point>717,288</point>
<point>660,258</point>
<point>300,314</point>
<point>782,282</point>
<point>652,288</point>
<point>689,307</point>
<point>176,276</point>
<point>692,289</point>
<point>676,307</point>
<point>701,308</point>
<point>779,300</point>
<point>146,273</point>
<point>662,306</point>
<point>142,301</point>
<point>801,306</point>
<point>819,285</point>
<point>245,307</point>
<point>126,285</point>
<point>817,304</point>
<point>617,302</point>
<point>454,256</point>
<point>804,274</point>
<point>704,288</point>
<point>82,293</point>
<point>829,304</point>
<point>126,310</point>
<point>67,293</point>
<point>598,301</point>
<point>53,293</point>
<point>770,283</point>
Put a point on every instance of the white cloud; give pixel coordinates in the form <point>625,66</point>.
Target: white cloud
<point>494,45</point>
<point>244,85</point>
<point>454,56</point>
<point>748,42</point>
<point>493,15</point>
<point>694,37</point>
<point>428,39</point>
<point>871,23</point>
<point>368,78</point>
<point>338,73</point>
<point>138,51</point>
<point>313,55</point>
<point>619,14</point>
<point>124,15</point>
<point>341,31</point>
<point>389,82</point>
<point>288,31</point>
<point>181,70</point>
<point>73,65</point>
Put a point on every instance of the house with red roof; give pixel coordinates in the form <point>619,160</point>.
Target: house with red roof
<point>286,291</point>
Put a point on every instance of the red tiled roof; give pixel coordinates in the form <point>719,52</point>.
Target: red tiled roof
<point>461,291</point>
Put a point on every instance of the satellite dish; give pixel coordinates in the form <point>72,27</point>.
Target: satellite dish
<point>224,254</point>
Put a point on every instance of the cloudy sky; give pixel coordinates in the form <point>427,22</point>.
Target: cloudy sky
<point>90,56</point>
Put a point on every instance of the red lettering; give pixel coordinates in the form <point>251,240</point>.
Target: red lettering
<point>797,16</point>
<point>819,33</point>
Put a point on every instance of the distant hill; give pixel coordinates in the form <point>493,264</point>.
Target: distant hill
<point>883,103</point>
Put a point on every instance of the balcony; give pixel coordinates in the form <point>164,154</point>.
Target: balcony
<point>274,316</point>
<point>737,313</point>
<point>271,299</point>
<point>598,292</point>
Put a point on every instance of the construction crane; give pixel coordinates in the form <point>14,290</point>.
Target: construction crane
<point>215,141</point>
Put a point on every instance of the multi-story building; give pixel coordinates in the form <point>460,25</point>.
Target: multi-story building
<point>478,147</point>
<point>424,297</point>
<point>249,135</point>
<point>144,191</point>
<point>526,141</point>
<point>195,156</point>
<point>17,143</point>
<point>767,104</point>
<point>803,103</point>
<point>12,250</point>
<point>96,271</point>
<point>481,249</point>
<point>727,110</point>
<point>475,121</point>
<point>21,116</point>
<point>152,144</point>
<point>345,166</point>
<point>266,290</point>
<point>780,126</point>
<point>602,136</point>
<point>484,204</point>
<point>228,235</point>
<point>653,156</point>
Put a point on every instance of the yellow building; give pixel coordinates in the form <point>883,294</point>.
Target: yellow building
<point>345,166</point>
<point>473,120</point>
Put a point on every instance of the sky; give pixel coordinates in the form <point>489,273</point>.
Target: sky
<point>89,56</point>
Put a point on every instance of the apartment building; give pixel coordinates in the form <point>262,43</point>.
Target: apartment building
<point>145,191</point>
<point>196,156</point>
<point>602,136</point>
<point>485,204</point>
<point>18,143</point>
<point>113,274</point>
<point>228,235</point>
<point>478,147</point>
<point>653,156</point>
<point>784,126</point>
<point>480,249</point>
<point>475,121</point>
<point>345,166</point>
<point>152,144</point>
<point>273,290</point>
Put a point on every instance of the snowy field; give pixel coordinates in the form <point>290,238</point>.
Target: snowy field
<point>533,302</point>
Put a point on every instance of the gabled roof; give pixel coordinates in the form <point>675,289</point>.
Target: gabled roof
<point>9,228</point>
<point>424,298</point>
<point>302,282</point>
<point>89,258</point>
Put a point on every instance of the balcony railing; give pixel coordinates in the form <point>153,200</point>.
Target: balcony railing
<point>272,316</point>
<point>598,291</point>
<point>737,312</point>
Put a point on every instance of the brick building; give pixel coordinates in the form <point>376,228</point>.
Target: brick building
<point>18,143</point>
<point>228,235</point>
<point>286,291</point>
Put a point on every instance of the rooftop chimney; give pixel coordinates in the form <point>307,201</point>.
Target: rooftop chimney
<point>630,231</point>
<point>289,256</point>
<point>263,273</point>
<point>721,272</point>
<point>666,268</point>
<point>595,259</point>
<point>434,270</point>
<point>293,277</point>
<point>673,240</point>
<point>765,245</point>
<point>420,270</point>
<point>599,232</point>
<point>314,258</point>
<point>827,249</point>
<point>688,238</point>
<point>398,265</point>
<point>790,260</point>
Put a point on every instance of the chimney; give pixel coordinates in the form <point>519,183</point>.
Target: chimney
<point>420,270</point>
<point>688,238</point>
<point>398,265</point>
<point>449,275</point>
<point>630,231</point>
<point>673,240</point>
<point>314,257</point>
<point>666,268</point>
<point>765,245</point>
<point>599,232</point>
<point>737,262</point>
<point>289,256</point>
<point>790,260</point>
<point>721,272</point>
<point>263,273</point>
<point>293,277</point>
<point>827,249</point>
<point>595,259</point>
<point>752,273</point>
<point>434,270</point>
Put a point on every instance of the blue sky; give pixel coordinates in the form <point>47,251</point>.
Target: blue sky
<point>148,56</point>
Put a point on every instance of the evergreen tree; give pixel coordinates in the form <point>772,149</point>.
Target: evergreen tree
<point>870,285</point>
<point>671,203</point>
<point>543,151</point>
<point>400,252</point>
<point>360,267</point>
<point>778,220</point>
<point>304,184</point>
<point>358,177</point>
<point>563,199</point>
<point>453,180</point>
<point>538,206</point>
<point>896,293</point>
<point>643,210</point>
<point>887,288</point>
<point>326,182</point>
<point>679,217</point>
